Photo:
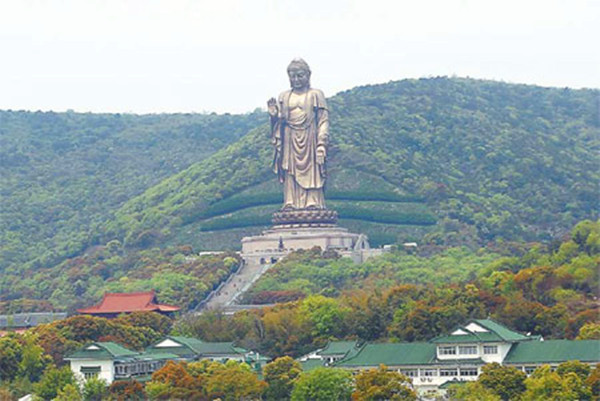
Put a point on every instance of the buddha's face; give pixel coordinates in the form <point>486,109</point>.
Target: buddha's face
<point>299,78</point>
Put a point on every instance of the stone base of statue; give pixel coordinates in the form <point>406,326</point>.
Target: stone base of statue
<point>304,229</point>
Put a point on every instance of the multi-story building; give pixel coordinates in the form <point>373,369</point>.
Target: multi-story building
<point>111,361</point>
<point>460,355</point>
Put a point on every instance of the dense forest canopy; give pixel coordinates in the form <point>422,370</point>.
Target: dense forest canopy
<point>63,174</point>
<point>493,160</point>
<point>440,161</point>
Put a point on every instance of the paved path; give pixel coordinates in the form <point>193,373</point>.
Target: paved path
<point>235,286</point>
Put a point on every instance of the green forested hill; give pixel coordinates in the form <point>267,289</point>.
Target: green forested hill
<point>64,173</point>
<point>488,159</point>
<point>441,160</point>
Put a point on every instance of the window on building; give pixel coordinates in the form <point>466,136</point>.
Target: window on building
<point>90,371</point>
<point>467,350</point>
<point>447,350</point>
<point>409,372</point>
<point>490,349</point>
<point>429,372</point>
<point>468,371</point>
<point>448,372</point>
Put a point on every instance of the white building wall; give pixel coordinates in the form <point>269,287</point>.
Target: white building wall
<point>107,368</point>
<point>503,350</point>
<point>498,357</point>
<point>423,383</point>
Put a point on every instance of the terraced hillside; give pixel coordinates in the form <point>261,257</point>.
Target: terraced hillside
<point>386,215</point>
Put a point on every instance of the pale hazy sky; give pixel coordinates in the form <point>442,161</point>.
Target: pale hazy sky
<point>231,55</point>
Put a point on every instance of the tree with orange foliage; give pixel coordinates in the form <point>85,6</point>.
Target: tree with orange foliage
<point>173,381</point>
<point>126,390</point>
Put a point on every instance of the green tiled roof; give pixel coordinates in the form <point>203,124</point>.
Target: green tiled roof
<point>194,347</point>
<point>156,356</point>
<point>106,350</point>
<point>468,338</point>
<point>311,364</point>
<point>502,331</point>
<point>190,342</point>
<point>472,361</point>
<point>554,351</point>
<point>391,354</point>
<point>497,333</point>
<point>224,348</point>
<point>338,348</point>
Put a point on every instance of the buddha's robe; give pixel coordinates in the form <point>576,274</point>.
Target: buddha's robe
<point>301,126</point>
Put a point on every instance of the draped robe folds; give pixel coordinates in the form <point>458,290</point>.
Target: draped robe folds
<point>298,133</point>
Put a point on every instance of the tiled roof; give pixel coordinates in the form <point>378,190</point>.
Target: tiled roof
<point>391,354</point>
<point>311,364</point>
<point>194,347</point>
<point>156,356</point>
<point>29,319</point>
<point>193,344</point>
<point>550,351</point>
<point>102,350</point>
<point>458,361</point>
<point>496,333</point>
<point>502,331</point>
<point>128,302</point>
<point>338,348</point>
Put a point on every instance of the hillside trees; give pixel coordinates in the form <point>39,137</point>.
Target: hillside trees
<point>205,380</point>
<point>492,161</point>
<point>65,173</point>
<point>382,384</point>
<point>323,384</point>
<point>280,376</point>
<point>176,275</point>
<point>505,381</point>
<point>539,292</point>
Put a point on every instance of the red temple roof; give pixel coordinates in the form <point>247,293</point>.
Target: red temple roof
<point>128,302</point>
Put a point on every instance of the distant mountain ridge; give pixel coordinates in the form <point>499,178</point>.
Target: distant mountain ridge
<point>480,159</point>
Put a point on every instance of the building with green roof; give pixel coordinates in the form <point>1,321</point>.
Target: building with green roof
<point>331,353</point>
<point>193,349</point>
<point>527,356</point>
<point>459,355</point>
<point>111,361</point>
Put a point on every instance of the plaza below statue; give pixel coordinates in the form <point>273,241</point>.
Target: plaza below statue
<point>297,229</point>
<point>278,241</point>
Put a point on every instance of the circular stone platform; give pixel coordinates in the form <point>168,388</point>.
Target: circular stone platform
<point>304,218</point>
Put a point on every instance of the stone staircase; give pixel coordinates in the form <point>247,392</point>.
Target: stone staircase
<point>226,295</point>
